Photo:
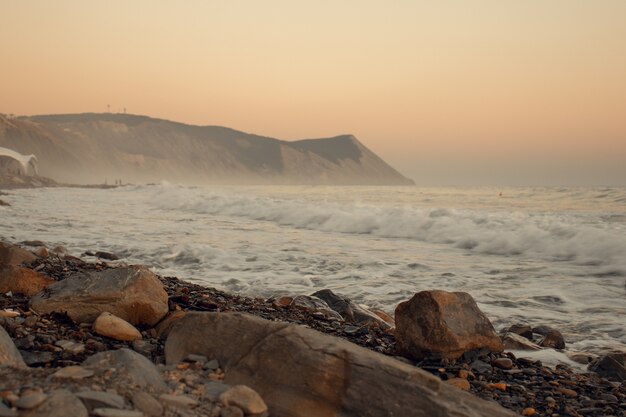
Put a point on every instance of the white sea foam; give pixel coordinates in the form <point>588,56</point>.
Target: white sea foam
<point>551,236</point>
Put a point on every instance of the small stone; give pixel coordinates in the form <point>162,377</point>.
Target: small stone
<point>147,404</point>
<point>196,358</point>
<point>497,385</point>
<point>99,399</point>
<point>42,252</point>
<point>116,328</point>
<point>463,373</point>
<point>73,372</point>
<point>528,411</point>
<point>459,383</point>
<point>609,398</point>
<point>503,363</point>
<point>60,403</point>
<point>231,411</point>
<point>178,400</point>
<point>29,401</point>
<point>480,366</point>
<point>553,339</point>
<point>70,346</point>
<point>9,313</point>
<point>568,392</point>
<point>114,412</point>
<point>245,398</point>
<point>211,365</point>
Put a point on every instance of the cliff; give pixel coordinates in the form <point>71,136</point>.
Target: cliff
<point>89,147</point>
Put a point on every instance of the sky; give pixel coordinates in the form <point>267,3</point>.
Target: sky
<point>463,92</point>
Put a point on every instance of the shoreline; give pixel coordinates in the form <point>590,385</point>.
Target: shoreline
<point>526,384</point>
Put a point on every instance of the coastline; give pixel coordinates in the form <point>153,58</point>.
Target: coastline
<point>523,386</point>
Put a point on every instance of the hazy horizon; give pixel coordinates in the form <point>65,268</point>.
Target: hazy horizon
<point>452,93</point>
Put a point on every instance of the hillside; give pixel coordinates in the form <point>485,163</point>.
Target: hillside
<point>89,148</point>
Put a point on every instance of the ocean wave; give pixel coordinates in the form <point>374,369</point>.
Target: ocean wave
<point>552,236</point>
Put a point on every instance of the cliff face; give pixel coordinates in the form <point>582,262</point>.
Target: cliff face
<point>87,148</point>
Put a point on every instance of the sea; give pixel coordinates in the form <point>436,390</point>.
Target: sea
<point>542,256</point>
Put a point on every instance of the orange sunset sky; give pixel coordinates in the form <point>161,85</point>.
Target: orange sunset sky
<point>449,92</point>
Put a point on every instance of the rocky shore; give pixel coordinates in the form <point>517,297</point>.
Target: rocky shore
<point>93,336</point>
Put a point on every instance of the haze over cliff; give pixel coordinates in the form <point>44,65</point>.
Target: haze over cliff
<point>89,147</point>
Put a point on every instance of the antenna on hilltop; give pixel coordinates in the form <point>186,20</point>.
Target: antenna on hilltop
<point>108,108</point>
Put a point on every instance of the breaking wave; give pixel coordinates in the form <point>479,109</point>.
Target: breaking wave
<point>575,237</point>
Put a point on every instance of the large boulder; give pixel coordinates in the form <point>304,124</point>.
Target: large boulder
<point>350,311</point>
<point>9,355</point>
<point>300,372</point>
<point>12,255</point>
<point>22,280</point>
<point>133,293</point>
<point>444,325</point>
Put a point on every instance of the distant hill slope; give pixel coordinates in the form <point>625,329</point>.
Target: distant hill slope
<point>89,147</point>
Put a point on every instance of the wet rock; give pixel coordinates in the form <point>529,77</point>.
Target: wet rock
<point>60,403</point>
<point>9,355</point>
<point>300,372</point>
<point>132,293</point>
<point>4,203</point>
<point>146,403</point>
<point>513,341</point>
<point>42,252</point>
<point>100,399</point>
<point>521,329</point>
<point>553,339</point>
<point>611,366</point>
<point>6,411</point>
<point>107,255</point>
<point>20,280</point>
<point>349,310</point>
<point>114,327</point>
<point>33,243</point>
<point>314,304</point>
<point>443,324</point>
<point>129,366</point>
<point>12,255</point>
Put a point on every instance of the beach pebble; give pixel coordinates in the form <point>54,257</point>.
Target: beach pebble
<point>31,400</point>
<point>245,398</point>
<point>116,328</point>
<point>459,383</point>
<point>502,363</point>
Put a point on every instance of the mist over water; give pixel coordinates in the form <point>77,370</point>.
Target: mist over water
<point>553,256</point>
